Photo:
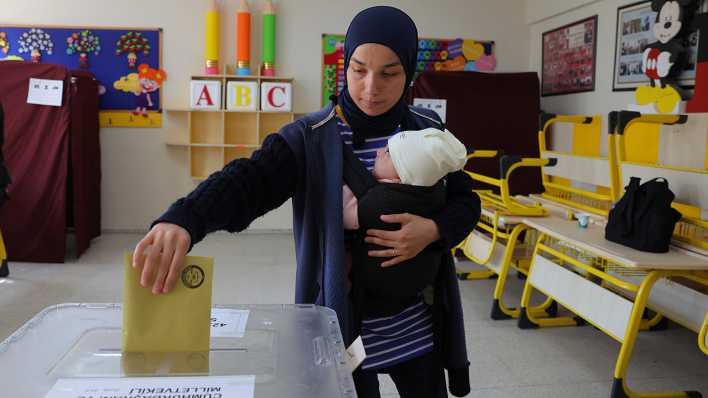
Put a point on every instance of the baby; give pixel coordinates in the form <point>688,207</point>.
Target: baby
<point>407,178</point>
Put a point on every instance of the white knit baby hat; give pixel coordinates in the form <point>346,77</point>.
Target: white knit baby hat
<point>425,156</point>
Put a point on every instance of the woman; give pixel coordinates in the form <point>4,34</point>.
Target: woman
<point>304,161</point>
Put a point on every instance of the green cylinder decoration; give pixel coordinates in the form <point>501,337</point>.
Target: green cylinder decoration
<point>269,38</point>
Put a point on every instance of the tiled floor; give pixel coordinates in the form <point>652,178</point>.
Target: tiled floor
<point>506,361</point>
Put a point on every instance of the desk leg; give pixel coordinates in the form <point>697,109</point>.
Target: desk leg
<point>499,308</point>
<point>471,275</point>
<point>703,336</point>
<point>619,386</point>
<point>528,318</point>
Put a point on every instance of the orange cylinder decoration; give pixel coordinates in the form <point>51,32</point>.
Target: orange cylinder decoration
<point>243,39</point>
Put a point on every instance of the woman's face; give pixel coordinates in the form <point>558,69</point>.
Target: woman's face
<point>375,78</point>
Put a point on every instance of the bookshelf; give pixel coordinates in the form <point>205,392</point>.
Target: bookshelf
<point>214,138</point>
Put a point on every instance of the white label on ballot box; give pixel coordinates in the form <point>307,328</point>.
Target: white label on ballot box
<point>226,322</point>
<point>45,92</point>
<point>154,387</point>
<point>356,354</point>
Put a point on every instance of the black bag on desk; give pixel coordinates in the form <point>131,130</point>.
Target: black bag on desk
<point>643,219</point>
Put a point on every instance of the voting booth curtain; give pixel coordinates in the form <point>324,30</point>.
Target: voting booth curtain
<point>496,111</point>
<point>53,157</point>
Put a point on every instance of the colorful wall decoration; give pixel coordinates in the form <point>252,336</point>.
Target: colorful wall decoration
<point>111,54</point>
<point>433,54</point>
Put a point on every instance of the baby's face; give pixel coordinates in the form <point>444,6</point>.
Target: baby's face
<point>383,166</point>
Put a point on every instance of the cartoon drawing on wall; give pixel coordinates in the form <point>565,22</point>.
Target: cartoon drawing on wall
<point>128,84</point>
<point>133,44</point>
<point>35,42</point>
<point>664,59</point>
<point>142,84</point>
<point>83,43</point>
<point>4,43</point>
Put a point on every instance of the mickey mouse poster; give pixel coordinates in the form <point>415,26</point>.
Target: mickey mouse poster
<point>663,60</point>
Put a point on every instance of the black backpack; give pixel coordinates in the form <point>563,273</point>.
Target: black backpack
<point>643,219</point>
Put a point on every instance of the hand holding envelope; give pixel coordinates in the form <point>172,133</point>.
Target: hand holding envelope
<point>160,254</point>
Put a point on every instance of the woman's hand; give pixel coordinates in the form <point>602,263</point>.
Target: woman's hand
<point>166,246</point>
<point>416,234</point>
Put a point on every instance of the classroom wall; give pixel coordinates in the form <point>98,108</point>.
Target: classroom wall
<point>141,175</point>
<point>537,10</point>
<point>545,15</point>
<point>603,99</point>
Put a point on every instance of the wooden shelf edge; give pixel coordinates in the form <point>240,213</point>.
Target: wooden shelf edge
<point>229,111</point>
<point>193,110</point>
<point>244,77</point>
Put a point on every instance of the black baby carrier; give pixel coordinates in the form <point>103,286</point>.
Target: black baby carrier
<point>378,291</point>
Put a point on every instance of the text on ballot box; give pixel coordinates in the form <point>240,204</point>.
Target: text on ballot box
<point>226,322</point>
<point>45,92</point>
<point>154,387</point>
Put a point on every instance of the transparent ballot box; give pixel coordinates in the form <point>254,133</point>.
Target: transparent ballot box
<point>289,350</point>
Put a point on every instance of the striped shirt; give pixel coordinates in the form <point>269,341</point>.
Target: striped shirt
<point>409,334</point>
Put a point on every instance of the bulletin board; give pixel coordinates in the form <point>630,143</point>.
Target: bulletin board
<point>107,51</point>
<point>433,54</point>
<point>569,57</point>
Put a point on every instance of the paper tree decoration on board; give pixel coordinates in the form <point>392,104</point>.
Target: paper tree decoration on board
<point>662,60</point>
<point>132,44</point>
<point>4,43</point>
<point>83,43</point>
<point>35,42</point>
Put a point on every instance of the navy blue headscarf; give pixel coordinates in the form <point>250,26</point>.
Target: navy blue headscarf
<point>394,29</point>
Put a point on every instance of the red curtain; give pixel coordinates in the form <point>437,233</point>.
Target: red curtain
<point>36,150</point>
<point>85,168</point>
<point>40,144</point>
<point>490,111</point>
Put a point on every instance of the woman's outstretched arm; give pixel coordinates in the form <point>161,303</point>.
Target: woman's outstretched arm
<point>230,200</point>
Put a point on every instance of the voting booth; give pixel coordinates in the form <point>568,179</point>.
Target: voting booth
<point>261,351</point>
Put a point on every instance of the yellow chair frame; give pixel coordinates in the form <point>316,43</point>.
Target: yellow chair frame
<point>580,199</point>
<point>502,205</point>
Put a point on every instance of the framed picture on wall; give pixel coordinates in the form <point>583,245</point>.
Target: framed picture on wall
<point>635,24</point>
<point>569,57</point>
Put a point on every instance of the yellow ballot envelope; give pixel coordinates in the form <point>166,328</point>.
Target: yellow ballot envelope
<point>178,321</point>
